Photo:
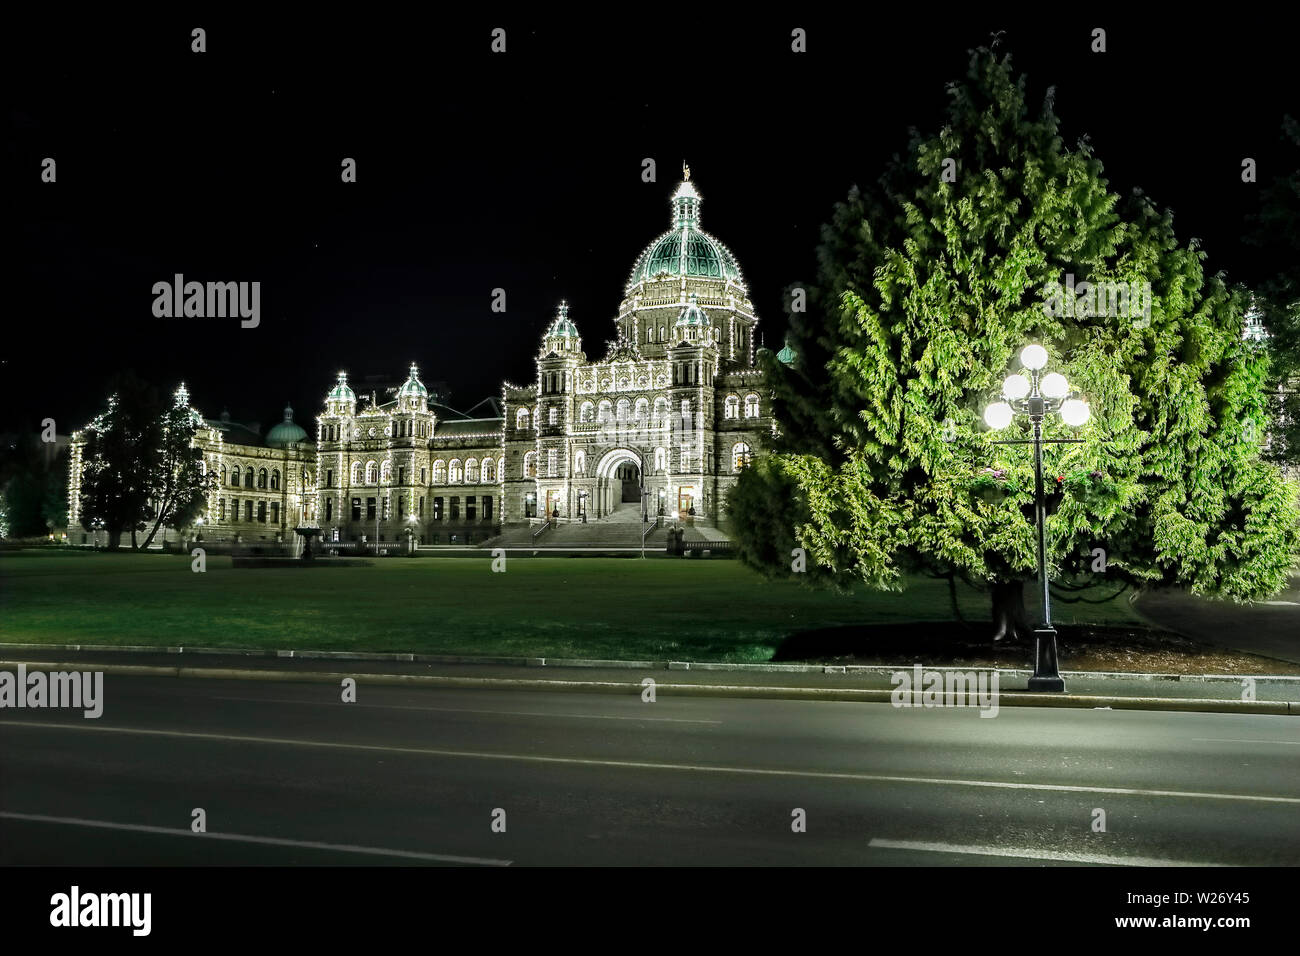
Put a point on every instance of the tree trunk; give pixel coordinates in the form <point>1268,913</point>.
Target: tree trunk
<point>1010,620</point>
<point>114,532</point>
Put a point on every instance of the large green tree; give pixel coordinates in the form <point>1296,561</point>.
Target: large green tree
<point>140,468</point>
<point>929,284</point>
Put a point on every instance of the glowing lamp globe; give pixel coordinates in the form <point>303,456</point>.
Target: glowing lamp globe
<point>1075,412</point>
<point>998,415</point>
<point>1015,387</point>
<point>1033,357</point>
<point>1054,385</point>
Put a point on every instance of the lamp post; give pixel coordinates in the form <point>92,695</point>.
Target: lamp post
<point>1036,397</point>
<point>582,505</point>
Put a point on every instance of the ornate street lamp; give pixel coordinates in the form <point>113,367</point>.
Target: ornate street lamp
<point>1036,397</point>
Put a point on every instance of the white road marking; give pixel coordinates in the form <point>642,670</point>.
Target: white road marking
<point>1230,740</point>
<point>246,838</point>
<point>1028,853</point>
<point>464,710</point>
<point>646,765</point>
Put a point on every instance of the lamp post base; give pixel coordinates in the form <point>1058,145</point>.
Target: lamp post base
<point>1047,677</point>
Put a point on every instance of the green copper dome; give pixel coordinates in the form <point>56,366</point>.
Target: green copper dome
<point>413,387</point>
<point>287,432</point>
<point>341,392</point>
<point>562,326</point>
<point>686,250</point>
<point>786,355</point>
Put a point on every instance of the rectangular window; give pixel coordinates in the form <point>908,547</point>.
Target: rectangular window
<point>530,505</point>
<point>487,507</point>
<point>248,510</point>
<point>437,509</point>
<point>329,509</point>
<point>422,476</point>
<point>221,510</point>
<point>261,512</point>
<point>356,509</point>
<point>401,507</point>
<point>234,509</point>
<point>401,476</point>
<point>469,508</point>
<point>329,478</point>
<point>421,511</point>
<point>370,509</point>
<point>550,463</point>
<point>455,507</point>
<point>275,512</point>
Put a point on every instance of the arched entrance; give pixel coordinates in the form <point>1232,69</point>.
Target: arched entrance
<point>620,484</point>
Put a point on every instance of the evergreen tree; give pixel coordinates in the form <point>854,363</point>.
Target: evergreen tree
<point>140,469</point>
<point>928,287</point>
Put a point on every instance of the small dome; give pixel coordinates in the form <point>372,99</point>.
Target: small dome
<point>287,432</point>
<point>413,387</point>
<point>340,392</point>
<point>786,355</point>
<point>562,335</point>
<point>692,315</point>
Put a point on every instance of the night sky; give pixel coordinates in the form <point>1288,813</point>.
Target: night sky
<point>520,171</point>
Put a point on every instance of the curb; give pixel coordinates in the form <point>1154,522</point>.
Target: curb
<point>1006,699</point>
<point>411,658</point>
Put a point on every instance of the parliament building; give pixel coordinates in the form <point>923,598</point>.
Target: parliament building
<point>660,425</point>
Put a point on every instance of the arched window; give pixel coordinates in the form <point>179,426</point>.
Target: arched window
<point>580,463</point>
<point>624,408</point>
<point>454,472</point>
<point>661,409</point>
<point>521,419</point>
<point>440,472</point>
<point>751,405</point>
<point>223,473</point>
<point>649,334</point>
<point>661,459</point>
<point>372,472</point>
<point>530,465</point>
<point>261,478</point>
<point>489,471</point>
<point>386,472</point>
<point>606,411</point>
<point>686,408</point>
<point>740,456</point>
<point>275,480</point>
<point>356,473</point>
<point>501,469</point>
<point>731,407</point>
<point>471,471</point>
<point>553,416</point>
<point>642,409</point>
<point>248,477</point>
<point>587,412</point>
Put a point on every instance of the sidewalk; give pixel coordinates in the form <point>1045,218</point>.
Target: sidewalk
<point>1267,628</point>
<point>866,683</point>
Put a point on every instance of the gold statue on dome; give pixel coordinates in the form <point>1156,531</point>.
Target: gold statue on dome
<point>686,172</point>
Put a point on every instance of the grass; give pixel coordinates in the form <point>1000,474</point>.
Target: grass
<point>706,610</point>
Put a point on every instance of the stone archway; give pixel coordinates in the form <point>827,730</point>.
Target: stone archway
<point>612,476</point>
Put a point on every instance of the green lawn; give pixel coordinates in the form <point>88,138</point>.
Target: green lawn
<point>540,607</point>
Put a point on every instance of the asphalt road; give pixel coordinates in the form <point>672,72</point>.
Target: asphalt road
<point>288,774</point>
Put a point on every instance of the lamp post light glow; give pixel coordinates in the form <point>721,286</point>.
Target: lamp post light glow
<point>1036,397</point>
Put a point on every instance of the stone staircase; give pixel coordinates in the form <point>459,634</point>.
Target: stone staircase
<point>595,535</point>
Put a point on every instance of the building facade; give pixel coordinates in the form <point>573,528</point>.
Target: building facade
<point>661,424</point>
